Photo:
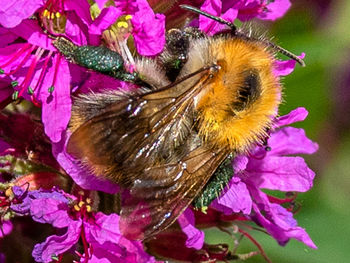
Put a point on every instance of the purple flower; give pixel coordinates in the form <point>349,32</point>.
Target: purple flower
<point>285,67</point>
<point>147,28</point>
<point>195,237</point>
<point>75,220</point>
<point>272,169</point>
<point>23,198</point>
<point>242,9</point>
<point>214,7</point>
<point>13,12</point>
<point>36,71</point>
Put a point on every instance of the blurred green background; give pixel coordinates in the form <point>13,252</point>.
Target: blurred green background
<point>321,29</point>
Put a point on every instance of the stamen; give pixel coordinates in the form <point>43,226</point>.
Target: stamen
<point>122,24</point>
<point>117,35</point>
<point>76,208</point>
<point>31,71</point>
<point>15,95</point>
<point>43,71</point>
<point>53,17</point>
<point>30,91</point>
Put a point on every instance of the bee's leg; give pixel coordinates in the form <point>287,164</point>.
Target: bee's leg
<point>216,184</point>
<point>97,58</point>
<point>175,52</point>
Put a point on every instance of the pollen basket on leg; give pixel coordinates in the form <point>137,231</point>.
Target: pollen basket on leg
<point>239,103</point>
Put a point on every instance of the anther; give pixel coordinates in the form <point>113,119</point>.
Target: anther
<point>14,83</point>
<point>51,89</point>
<point>15,95</point>
<point>122,24</point>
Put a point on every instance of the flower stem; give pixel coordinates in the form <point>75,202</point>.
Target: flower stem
<point>256,243</point>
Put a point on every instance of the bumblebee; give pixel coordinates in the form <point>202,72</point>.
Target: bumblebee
<point>169,143</point>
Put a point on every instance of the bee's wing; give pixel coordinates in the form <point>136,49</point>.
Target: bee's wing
<point>136,130</point>
<point>162,192</point>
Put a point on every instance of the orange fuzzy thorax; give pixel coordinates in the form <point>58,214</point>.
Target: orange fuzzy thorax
<point>221,124</point>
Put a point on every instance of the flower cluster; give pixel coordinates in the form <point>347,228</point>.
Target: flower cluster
<point>37,173</point>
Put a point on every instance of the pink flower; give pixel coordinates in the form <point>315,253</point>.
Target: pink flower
<point>98,232</point>
<point>244,10</point>
<point>12,13</point>
<point>36,71</point>
<point>195,237</point>
<point>270,167</point>
<point>147,28</point>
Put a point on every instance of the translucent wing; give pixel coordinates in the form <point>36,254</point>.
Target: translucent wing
<point>159,196</point>
<point>134,131</point>
<point>146,143</point>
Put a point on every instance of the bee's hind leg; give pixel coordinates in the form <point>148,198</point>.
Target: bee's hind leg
<point>215,185</point>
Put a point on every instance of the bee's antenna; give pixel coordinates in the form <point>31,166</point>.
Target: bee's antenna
<point>215,18</point>
<point>286,53</point>
<point>234,30</point>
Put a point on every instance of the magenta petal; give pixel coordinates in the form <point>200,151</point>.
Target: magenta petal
<point>13,12</point>
<point>285,67</point>
<point>148,30</point>
<point>104,229</point>
<point>97,82</point>
<point>6,228</point>
<point>52,211</point>
<point>81,8</point>
<point>101,3</point>
<point>281,173</point>
<point>234,199</point>
<point>290,141</point>
<point>240,163</point>
<point>214,7</point>
<point>82,176</point>
<point>281,225</point>
<point>106,18</point>
<point>75,29</point>
<point>135,252</point>
<point>195,237</point>
<point>33,34</point>
<point>296,115</point>
<point>56,105</point>
<point>56,245</point>
<point>275,10</point>
<point>108,253</point>
<point>6,37</point>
